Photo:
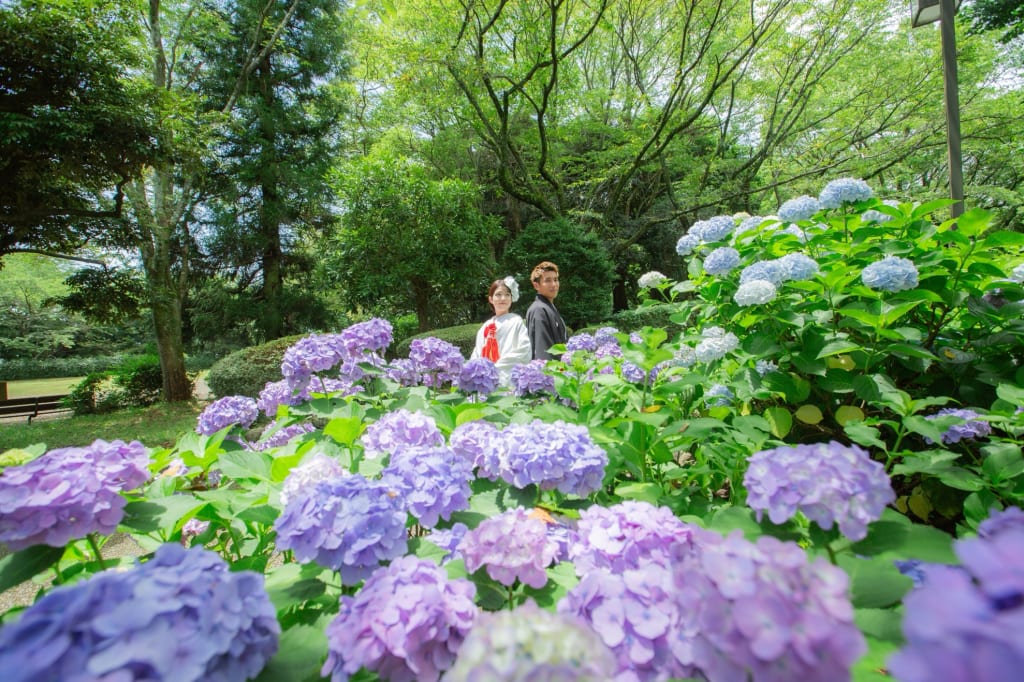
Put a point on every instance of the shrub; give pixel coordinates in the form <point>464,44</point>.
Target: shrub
<point>140,381</point>
<point>658,315</point>
<point>463,336</point>
<point>246,371</point>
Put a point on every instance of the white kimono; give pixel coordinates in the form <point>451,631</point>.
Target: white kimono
<point>513,344</point>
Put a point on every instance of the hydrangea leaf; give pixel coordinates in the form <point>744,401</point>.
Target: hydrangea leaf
<point>246,464</point>
<point>874,582</point>
<point>780,421</point>
<point>21,566</point>
<point>302,649</point>
<point>161,515</point>
<point>344,430</point>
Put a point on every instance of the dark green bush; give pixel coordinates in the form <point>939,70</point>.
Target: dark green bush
<point>246,371</point>
<point>20,369</point>
<point>82,399</point>
<point>139,380</point>
<point>463,336</point>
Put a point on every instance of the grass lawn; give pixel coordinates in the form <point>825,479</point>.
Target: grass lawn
<point>33,387</point>
<point>159,425</point>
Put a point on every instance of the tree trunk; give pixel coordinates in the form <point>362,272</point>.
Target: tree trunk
<point>171,348</point>
<point>271,209</point>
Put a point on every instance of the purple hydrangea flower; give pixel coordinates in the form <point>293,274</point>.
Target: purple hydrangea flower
<point>310,355</point>
<point>767,270</point>
<point>963,623</point>
<point>275,437</point>
<point>719,395</point>
<point>651,280</point>
<point>687,243</point>
<point>605,336</point>
<point>372,336</point>
<point>713,229</point>
<point>530,379</point>
<point>69,493</point>
<point>448,539</point>
<point>193,528</point>
<point>228,411</point>
<point>406,624</point>
<point>828,482</point>
<point>763,612</point>
<point>721,260</point>
<point>437,362</point>
<point>313,469</point>
<point>530,643</point>
<point>634,374</point>
<point>513,545</point>
<point>892,273</point>
<point>557,455</point>
<point>348,524</point>
<point>972,428</point>
<point>715,344</point>
<point>400,429</point>
<point>844,191</point>
<point>755,292</point>
<point>582,341</point>
<point>183,615</point>
<point>481,444</point>
<point>800,208</point>
<point>276,393</point>
<point>1000,521</point>
<point>435,482</point>
<point>403,371</point>
<point>798,267</point>
<point>626,535</point>
<point>478,376</point>
<point>636,615</point>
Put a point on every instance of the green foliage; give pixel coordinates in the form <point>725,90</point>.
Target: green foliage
<point>585,270</point>
<point>246,372</point>
<point>136,382</point>
<point>635,319</point>
<point>463,336</point>
<point>85,398</point>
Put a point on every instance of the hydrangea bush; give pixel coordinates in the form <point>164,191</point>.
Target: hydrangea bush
<point>820,477</point>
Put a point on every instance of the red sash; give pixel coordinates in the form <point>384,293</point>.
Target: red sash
<point>490,350</point>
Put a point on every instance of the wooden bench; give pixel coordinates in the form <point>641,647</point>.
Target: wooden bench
<point>33,407</point>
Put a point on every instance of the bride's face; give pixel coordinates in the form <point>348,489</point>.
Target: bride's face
<point>501,300</point>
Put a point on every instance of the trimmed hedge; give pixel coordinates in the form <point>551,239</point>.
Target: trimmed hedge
<point>55,368</point>
<point>247,371</point>
<point>463,336</point>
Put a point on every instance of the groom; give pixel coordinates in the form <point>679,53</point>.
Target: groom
<point>545,326</point>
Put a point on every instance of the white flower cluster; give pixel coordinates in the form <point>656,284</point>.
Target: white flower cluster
<point>513,287</point>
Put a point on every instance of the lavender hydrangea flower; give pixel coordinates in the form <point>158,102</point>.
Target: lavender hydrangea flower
<point>318,467</point>
<point>651,280</point>
<point>762,611</point>
<point>183,615</point>
<point>797,267</point>
<point>767,270</point>
<point>530,379</point>
<point>434,480</point>
<point>1000,521</point>
<point>348,524</point>
<point>828,482</point>
<point>873,216</point>
<point>892,273</point>
<point>231,410</point>
<point>719,395</point>
<point>404,372</point>
<point>972,428</point>
<point>634,374</point>
<point>448,539</point>
<point>605,336</point>
<point>556,455</point>
<point>755,292</point>
<point>750,224</point>
<point>1018,274</point>
<point>626,535</point>
<point>512,546</point>
<point>437,362</point>
<point>715,344</point>
<point>721,260</point>
<point>275,437</point>
<point>636,616</point>
<point>481,444</point>
<point>478,376</point>
<point>69,493</point>
<point>962,623</point>
<point>763,367</point>
<point>844,191</point>
<point>276,393</point>
<point>687,243</point>
<point>713,229</point>
<point>800,208</point>
<point>307,356</point>
<point>372,336</point>
<point>582,341</point>
<point>533,644</point>
<point>406,624</point>
<point>400,429</point>
<point>193,528</point>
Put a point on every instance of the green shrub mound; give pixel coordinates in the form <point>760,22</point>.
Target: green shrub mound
<point>463,336</point>
<point>137,382</point>
<point>246,372</point>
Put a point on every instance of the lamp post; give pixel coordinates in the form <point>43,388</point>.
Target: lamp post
<point>944,11</point>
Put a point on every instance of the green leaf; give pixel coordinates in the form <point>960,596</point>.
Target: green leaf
<point>904,540</point>
<point>838,347</point>
<point>872,666</point>
<point>883,624</point>
<point>291,585</point>
<point>263,514</point>
<point>24,565</point>
<point>344,430</point>
<point>645,492</point>
<point>864,434</point>
<point>246,464</point>
<point>875,582</point>
<point>162,515</point>
<point>300,654</point>
<point>726,520</point>
<point>780,421</point>
<point>909,351</point>
<point>561,579</point>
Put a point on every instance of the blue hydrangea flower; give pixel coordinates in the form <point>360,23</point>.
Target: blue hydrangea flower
<point>531,643</point>
<point>348,524</point>
<point>556,455</point>
<point>582,341</point>
<point>763,367</point>
<point>719,395</point>
<point>277,393</point>
<point>715,344</point>
<point>713,229</point>
<point>800,208</point>
<point>892,273</point>
<point>434,481</point>
<point>400,429</point>
<point>634,374</point>
<point>513,545</point>
<point>448,539</point>
<point>530,379</point>
<point>828,482</point>
<point>721,260</point>
<point>182,615</point>
<point>687,243</point>
<point>963,622</point>
<point>844,191</point>
<point>481,444</point>
<point>605,336</point>
<point>404,372</point>
<point>766,270</point>
<point>797,267</point>
<point>437,362</point>
<point>1000,521</point>
<point>406,624</point>
<point>651,280</point>
<point>313,469</point>
<point>972,428</point>
<point>372,336</point>
<point>1018,274</point>
<point>69,493</point>
<point>478,376</point>
<point>232,410</point>
<point>755,292</point>
<point>873,216</point>
<point>311,355</point>
<point>750,224</point>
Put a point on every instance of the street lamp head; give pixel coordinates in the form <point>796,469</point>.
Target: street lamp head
<point>925,12</point>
